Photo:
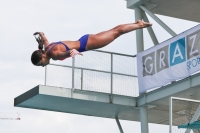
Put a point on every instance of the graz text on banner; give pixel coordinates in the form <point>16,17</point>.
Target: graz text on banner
<point>171,60</point>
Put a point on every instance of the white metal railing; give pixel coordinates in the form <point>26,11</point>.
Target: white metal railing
<point>99,71</point>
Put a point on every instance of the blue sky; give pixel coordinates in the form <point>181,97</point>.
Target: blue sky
<point>62,20</point>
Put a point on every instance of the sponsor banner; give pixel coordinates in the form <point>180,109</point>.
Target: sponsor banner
<point>174,59</point>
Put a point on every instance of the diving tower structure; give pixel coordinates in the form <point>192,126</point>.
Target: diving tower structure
<point>111,90</point>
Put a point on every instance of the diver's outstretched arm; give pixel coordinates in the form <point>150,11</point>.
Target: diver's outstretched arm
<point>46,42</point>
<point>56,55</point>
<point>43,37</point>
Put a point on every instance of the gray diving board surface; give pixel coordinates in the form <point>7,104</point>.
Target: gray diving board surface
<point>98,104</point>
<point>83,102</point>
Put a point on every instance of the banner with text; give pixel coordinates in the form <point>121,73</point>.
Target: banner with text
<point>171,60</point>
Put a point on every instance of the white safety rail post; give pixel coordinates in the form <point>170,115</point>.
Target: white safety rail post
<point>111,84</point>
<point>73,65</point>
<point>45,78</point>
<point>81,79</point>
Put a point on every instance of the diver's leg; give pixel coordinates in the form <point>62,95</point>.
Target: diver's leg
<point>104,38</point>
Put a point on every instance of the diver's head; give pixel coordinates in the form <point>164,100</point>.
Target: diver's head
<point>39,58</point>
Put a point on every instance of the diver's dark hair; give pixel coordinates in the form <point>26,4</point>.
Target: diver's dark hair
<point>40,46</point>
<point>37,56</point>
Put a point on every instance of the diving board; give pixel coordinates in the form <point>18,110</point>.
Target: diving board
<point>83,102</point>
<point>98,104</point>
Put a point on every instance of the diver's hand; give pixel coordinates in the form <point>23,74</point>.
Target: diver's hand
<point>74,52</point>
<point>40,33</point>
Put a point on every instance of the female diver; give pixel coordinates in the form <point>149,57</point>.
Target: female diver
<point>64,49</point>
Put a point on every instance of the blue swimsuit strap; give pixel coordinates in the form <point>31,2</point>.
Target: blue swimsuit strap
<point>56,43</point>
<point>67,48</point>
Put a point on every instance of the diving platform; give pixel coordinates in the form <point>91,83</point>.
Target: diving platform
<point>83,102</point>
<point>99,104</point>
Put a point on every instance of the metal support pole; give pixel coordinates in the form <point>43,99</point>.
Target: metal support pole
<point>119,125</point>
<point>73,64</point>
<point>170,31</point>
<point>150,29</point>
<point>139,32</point>
<point>144,119</point>
<point>111,80</point>
<point>170,115</point>
<point>140,48</point>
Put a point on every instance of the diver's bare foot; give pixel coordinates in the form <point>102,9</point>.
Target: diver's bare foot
<point>144,24</point>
